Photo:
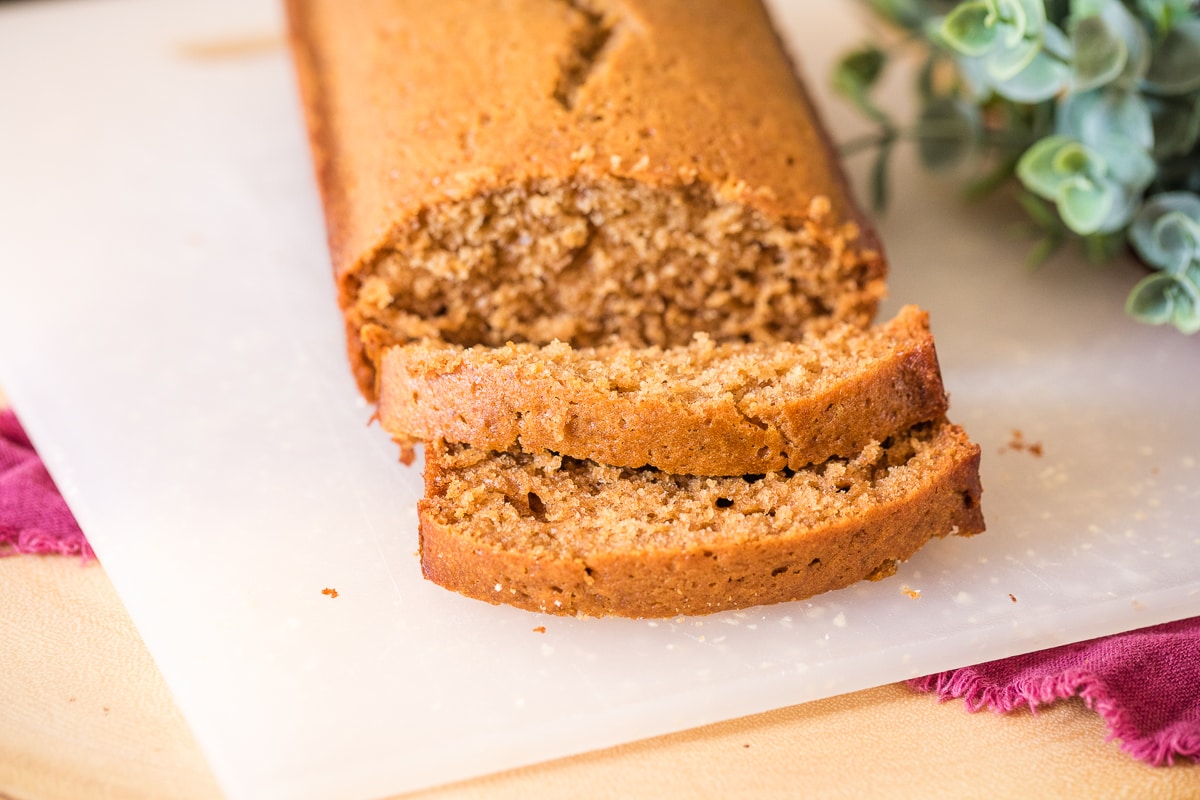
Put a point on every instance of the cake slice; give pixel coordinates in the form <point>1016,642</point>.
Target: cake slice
<point>549,533</point>
<point>585,171</point>
<point>703,409</point>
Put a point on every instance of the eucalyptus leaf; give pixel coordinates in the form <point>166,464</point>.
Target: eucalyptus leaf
<point>1056,43</point>
<point>1041,212</point>
<point>1125,204</point>
<point>1031,13</point>
<point>1175,67</point>
<point>1176,123</point>
<point>858,71</point>
<point>971,28</point>
<point>1018,21</point>
<point>1164,13</point>
<point>1178,239</point>
<point>1102,127</point>
<point>1084,204</point>
<point>1146,231</point>
<point>1005,63</point>
<point>1186,314</point>
<point>1036,168</point>
<point>1137,42</point>
<point>856,74</point>
<point>1101,247</point>
<point>1041,80</point>
<point>1087,8</point>
<point>1074,159</point>
<point>1100,54</point>
<point>1152,299</point>
<point>1127,163</point>
<point>1095,116</point>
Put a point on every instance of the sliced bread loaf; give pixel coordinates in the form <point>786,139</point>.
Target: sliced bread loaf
<point>583,171</point>
<point>554,534</point>
<point>703,409</point>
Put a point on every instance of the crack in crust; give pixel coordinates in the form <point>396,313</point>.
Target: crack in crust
<point>587,45</point>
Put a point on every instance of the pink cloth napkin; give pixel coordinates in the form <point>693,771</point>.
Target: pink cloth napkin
<point>33,516</point>
<point>1145,684</point>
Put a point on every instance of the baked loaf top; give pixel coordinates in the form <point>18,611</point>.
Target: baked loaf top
<point>703,409</point>
<point>582,170</point>
<point>548,533</point>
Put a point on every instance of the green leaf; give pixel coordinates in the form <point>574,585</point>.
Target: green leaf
<point>1152,237</point>
<point>971,28</point>
<point>859,70</point>
<point>1160,298</point>
<point>1041,252</point>
<point>1095,116</point>
<point>1186,314</point>
<point>1152,300</point>
<point>1085,204</point>
<point>1087,8</point>
<point>855,75</point>
<point>1175,66</point>
<point>1137,41</point>
<point>1041,80</point>
<point>1164,13</point>
<point>1028,17</point>
<point>1036,168</point>
<point>1176,124</point>
<point>1041,212</point>
<point>1004,63</point>
<point>1074,158</point>
<point>1126,162</point>
<point>1056,43</point>
<point>1100,54</point>
<point>1101,247</point>
<point>1178,238</point>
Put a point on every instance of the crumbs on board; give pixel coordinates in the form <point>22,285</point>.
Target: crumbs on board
<point>1018,443</point>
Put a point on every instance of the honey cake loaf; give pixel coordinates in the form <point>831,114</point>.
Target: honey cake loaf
<point>574,170</point>
<point>700,409</point>
<point>554,534</point>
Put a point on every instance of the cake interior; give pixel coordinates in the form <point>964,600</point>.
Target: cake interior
<point>588,261</point>
<point>551,506</point>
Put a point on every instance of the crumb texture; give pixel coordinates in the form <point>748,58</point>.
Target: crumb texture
<point>702,409</point>
<point>576,537</point>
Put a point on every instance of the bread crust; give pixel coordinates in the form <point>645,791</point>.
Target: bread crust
<point>706,577</point>
<point>495,400</point>
<point>673,94</point>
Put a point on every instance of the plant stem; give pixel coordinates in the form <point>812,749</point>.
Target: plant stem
<point>995,139</point>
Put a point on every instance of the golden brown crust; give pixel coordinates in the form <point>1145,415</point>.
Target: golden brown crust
<point>731,410</point>
<point>709,570</point>
<point>664,94</point>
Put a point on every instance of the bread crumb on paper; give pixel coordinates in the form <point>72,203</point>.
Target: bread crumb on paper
<point>331,592</point>
<point>540,629</point>
<point>1018,444</point>
<point>915,594</point>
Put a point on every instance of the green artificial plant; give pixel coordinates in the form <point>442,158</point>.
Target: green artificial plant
<point>1092,105</point>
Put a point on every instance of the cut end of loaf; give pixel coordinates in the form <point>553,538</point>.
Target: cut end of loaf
<point>588,260</point>
<point>552,534</point>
